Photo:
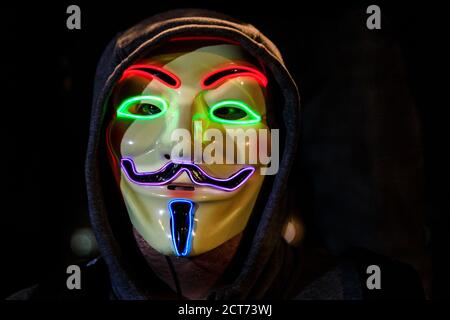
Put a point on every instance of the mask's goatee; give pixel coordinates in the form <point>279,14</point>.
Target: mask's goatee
<point>181,224</point>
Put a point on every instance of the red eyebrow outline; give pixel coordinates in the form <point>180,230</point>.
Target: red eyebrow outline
<point>217,77</point>
<point>153,72</point>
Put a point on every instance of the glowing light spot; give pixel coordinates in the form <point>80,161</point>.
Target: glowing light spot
<point>83,242</point>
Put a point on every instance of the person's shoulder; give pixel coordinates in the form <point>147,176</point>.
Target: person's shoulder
<point>362,274</point>
<point>93,280</point>
<point>24,294</point>
<point>384,278</point>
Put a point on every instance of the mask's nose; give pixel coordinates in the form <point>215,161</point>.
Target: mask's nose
<point>178,140</point>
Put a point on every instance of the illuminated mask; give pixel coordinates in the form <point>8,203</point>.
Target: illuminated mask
<point>178,203</point>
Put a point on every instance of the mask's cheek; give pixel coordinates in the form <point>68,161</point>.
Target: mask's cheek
<point>251,144</point>
<point>242,143</point>
<point>232,147</point>
<point>141,137</point>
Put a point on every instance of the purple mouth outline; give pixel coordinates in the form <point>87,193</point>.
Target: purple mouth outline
<point>239,178</point>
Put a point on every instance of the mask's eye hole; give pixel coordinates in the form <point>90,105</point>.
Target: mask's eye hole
<point>229,113</point>
<point>142,107</point>
<point>146,109</point>
<point>233,112</point>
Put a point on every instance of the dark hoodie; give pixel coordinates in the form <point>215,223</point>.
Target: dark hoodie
<point>122,51</point>
<point>265,266</point>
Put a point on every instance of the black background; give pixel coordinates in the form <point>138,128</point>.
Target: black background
<point>48,77</point>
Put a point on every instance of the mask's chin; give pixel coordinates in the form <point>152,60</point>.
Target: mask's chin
<point>184,219</point>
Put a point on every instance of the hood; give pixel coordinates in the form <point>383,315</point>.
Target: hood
<point>262,261</point>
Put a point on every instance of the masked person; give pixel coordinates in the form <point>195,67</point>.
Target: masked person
<point>168,223</point>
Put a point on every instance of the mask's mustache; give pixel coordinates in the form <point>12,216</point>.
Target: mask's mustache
<point>171,170</point>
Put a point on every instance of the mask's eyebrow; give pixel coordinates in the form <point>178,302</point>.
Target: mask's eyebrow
<point>153,72</point>
<point>217,77</point>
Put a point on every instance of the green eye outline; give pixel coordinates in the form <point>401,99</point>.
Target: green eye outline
<point>122,111</point>
<point>234,103</point>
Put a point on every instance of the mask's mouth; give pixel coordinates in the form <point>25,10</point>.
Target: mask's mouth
<point>172,170</point>
<point>180,187</point>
